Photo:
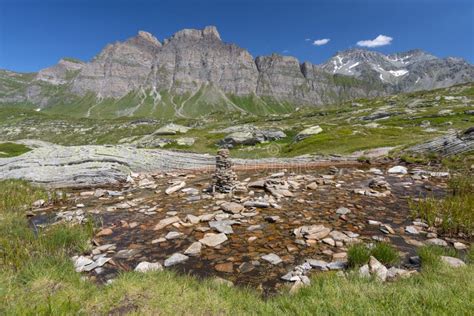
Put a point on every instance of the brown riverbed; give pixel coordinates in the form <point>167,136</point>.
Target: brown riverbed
<point>239,259</point>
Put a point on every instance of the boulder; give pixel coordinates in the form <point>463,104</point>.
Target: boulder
<point>453,262</point>
<point>171,129</point>
<point>313,130</point>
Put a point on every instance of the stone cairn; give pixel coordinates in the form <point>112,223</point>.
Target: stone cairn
<point>224,178</point>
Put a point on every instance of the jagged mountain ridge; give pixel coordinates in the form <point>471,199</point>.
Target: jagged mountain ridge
<point>197,67</point>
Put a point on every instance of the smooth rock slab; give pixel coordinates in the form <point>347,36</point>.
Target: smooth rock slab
<point>213,240</point>
<point>176,258</point>
<point>272,258</point>
<point>194,249</point>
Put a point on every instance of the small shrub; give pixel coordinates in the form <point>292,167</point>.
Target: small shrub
<point>385,253</point>
<point>358,255</point>
<point>430,255</point>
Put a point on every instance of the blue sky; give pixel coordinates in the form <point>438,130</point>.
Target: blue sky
<point>36,34</point>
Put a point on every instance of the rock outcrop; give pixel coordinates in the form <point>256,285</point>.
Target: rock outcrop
<point>453,143</point>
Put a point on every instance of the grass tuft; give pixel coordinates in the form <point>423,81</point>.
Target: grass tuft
<point>453,214</point>
<point>358,255</point>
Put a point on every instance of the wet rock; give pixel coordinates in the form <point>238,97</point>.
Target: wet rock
<point>329,241</point>
<point>175,188</point>
<point>316,232</point>
<point>246,267</point>
<point>272,258</point>
<point>387,229</point>
<point>258,204</point>
<point>343,211</point>
<point>453,262</point>
<point>232,207</point>
<point>398,170</point>
<point>213,240</point>
<point>338,236</point>
<point>126,253</point>
<point>318,264</point>
<point>148,267</point>
<point>223,226</point>
<point>167,221</point>
<point>193,219</point>
<point>194,249</point>
<point>176,258</point>
<point>105,232</point>
<point>375,223</point>
<point>227,267</point>
<point>173,235</point>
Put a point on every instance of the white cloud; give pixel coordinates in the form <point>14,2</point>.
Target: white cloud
<point>380,40</point>
<point>322,41</point>
<point>307,39</point>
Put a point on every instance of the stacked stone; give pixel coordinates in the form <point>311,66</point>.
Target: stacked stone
<point>224,178</point>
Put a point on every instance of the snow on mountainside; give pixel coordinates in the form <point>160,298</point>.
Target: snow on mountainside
<point>403,72</point>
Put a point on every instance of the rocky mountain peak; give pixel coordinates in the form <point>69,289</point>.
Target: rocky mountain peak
<point>209,32</point>
<point>148,37</point>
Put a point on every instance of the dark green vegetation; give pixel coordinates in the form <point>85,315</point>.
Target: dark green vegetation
<point>453,214</point>
<point>359,254</point>
<point>12,149</point>
<point>347,127</point>
<point>37,278</point>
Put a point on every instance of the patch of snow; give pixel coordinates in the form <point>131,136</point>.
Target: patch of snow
<point>354,65</point>
<point>381,77</point>
<point>417,80</point>
<point>38,109</point>
<point>398,73</point>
